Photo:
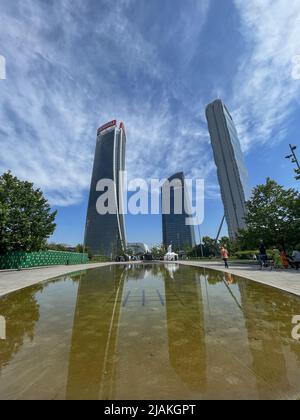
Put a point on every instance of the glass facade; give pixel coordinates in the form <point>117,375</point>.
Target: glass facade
<point>105,234</point>
<point>239,157</point>
<point>232,172</point>
<point>175,230</point>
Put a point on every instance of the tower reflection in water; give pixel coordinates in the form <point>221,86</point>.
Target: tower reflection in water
<point>267,332</point>
<point>149,331</point>
<point>186,330</point>
<point>102,352</point>
<point>91,363</point>
<point>167,331</point>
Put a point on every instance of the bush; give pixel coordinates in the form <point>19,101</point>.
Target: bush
<point>245,255</point>
<point>248,255</point>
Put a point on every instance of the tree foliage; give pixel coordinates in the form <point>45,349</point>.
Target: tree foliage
<point>26,220</point>
<point>229,244</point>
<point>209,246</point>
<point>58,247</point>
<point>158,251</point>
<point>273,216</point>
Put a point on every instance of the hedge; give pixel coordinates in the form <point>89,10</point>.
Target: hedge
<point>15,260</point>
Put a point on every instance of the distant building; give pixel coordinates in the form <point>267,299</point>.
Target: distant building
<point>175,230</point>
<point>105,234</point>
<point>137,248</point>
<point>232,172</point>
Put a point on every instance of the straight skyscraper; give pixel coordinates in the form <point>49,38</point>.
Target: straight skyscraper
<point>232,172</point>
<point>175,230</point>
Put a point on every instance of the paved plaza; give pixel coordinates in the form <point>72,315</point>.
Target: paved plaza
<point>287,280</point>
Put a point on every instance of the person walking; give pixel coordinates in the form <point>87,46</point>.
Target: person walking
<point>262,254</point>
<point>225,256</point>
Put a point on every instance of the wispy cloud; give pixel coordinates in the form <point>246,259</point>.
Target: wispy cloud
<point>264,90</point>
<point>72,66</point>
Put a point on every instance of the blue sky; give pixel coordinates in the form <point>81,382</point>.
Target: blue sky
<point>154,64</point>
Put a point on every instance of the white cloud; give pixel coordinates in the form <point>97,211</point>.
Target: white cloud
<point>265,90</point>
<point>64,79</point>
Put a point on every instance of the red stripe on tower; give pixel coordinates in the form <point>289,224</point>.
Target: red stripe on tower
<point>112,123</point>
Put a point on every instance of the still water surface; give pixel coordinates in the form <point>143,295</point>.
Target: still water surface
<point>149,332</point>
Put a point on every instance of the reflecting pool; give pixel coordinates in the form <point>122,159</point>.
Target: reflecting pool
<point>149,331</point>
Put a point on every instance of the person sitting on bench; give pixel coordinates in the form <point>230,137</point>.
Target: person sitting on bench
<point>296,259</point>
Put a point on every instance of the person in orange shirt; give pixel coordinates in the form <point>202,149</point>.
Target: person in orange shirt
<point>284,260</point>
<point>225,256</point>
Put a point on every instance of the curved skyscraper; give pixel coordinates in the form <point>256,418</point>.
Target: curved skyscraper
<point>105,233</point>
<point>175,230</point>
<point>232,172</point>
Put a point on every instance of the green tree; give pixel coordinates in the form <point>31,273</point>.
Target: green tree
<point>79,248</point>
<point>210,246</point>
<point>26,220</point>
<point>188,249</point>
<point>229,244</point>
<point>88,251</point>
<point>273,216</point>
<point>129,252</point>
<point>57,247</point>
<point>158,251</point>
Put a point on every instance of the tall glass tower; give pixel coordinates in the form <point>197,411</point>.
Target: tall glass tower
<point>175,230</point>
<point>105,234</point>
<point>232,172</point>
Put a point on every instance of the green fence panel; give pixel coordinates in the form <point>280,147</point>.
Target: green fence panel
<point>16,260</point>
